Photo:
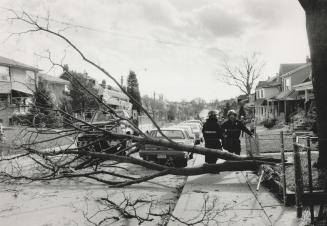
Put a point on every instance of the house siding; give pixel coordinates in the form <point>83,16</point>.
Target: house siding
<point>301,76</point>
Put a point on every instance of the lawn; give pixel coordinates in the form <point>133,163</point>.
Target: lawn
<point>289,172</point>
<point>268,141</point>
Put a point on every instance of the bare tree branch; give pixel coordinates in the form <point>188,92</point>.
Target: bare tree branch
<point>243,76</point>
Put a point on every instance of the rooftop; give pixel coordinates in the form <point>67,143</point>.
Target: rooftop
<point>284,68</point>
<point>305,68</point>
<point>53,79</point>
<point>12,63</point>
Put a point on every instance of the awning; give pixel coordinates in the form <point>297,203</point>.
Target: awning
<point>260,102</point>
<point>303,86</point>
<point>273,98</point>
<point>287,95</point>
<point>244,101</point>
<point>24,89</point>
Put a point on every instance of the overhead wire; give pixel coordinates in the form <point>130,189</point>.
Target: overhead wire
<point>115,32</point>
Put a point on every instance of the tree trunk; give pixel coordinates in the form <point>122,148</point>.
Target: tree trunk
<point>316,23</point>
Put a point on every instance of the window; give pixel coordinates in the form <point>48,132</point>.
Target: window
<point>262,93</point>
<point>30,76</point>
<point>4,74</point>
<point>288,84</point>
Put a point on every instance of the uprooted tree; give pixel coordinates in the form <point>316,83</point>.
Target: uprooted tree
<point>97,158</point>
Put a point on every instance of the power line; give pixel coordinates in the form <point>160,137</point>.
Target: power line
<point>112,31</point>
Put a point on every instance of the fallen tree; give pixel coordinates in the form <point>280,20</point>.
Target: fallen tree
<point>86,157</point>
<point>41,158</point>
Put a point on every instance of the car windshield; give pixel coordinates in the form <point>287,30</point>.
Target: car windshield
<point>173,134</point>
<point>194,127</point>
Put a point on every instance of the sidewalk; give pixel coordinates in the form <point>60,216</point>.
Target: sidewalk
<point>231,199</point>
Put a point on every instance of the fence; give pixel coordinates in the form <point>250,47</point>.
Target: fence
<point>267,143</point>
<point>299,146</point>
<point>305,192</point>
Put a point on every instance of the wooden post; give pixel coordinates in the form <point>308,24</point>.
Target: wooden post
<point>310,177</point>
<point>283,166</point>
<point>250,144</point>
<point>256,143</point>
<point>298,178</point>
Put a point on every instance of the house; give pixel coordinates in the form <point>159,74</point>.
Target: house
<point>265,91</point>
<point>17,84</point>
<point>283,95</point>
<point>56,86</point>
<point>305,93</point>
<point>250,105</point>
<point>288,100</point>
<point>114,98</point>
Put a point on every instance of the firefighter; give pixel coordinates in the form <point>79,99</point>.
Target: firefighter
<point>232,130</point>
<point>212,134</point>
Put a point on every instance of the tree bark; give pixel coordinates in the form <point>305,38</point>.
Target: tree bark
<point>316,24</point>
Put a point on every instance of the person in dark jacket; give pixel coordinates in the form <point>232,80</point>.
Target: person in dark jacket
<point>213,135</point>
<point>232,130</point>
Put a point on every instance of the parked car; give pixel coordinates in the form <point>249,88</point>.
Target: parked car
<point>164,155</point>
<point>195,121</point>
<point>187,129</point>
<point>196,131</point>
<point>106,121</point>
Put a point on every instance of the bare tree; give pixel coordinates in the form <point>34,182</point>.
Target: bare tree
<point>243,75</point>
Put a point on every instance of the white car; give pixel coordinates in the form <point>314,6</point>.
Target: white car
<point>195,121</point>
<point>164,155</point>
<point>196,131</point>
<point>187,129</point>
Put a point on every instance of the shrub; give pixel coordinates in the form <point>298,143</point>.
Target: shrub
<point>269,123</point>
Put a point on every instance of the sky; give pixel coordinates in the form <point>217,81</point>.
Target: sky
<point>175,47</point>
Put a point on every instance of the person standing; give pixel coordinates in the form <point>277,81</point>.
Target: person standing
<point>232,130</point>
<point>212,134</point>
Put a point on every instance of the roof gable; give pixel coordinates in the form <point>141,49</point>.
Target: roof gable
<point>306,68</point>
<point>12,63</point>
<point>53,79</point>
<point>284,68</point>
